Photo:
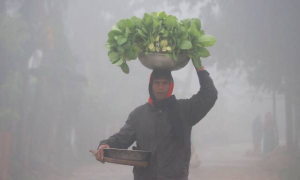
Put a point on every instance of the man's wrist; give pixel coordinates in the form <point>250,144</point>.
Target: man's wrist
<point>200,69</point>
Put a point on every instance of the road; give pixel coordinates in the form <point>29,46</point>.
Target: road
<point>226,163</point>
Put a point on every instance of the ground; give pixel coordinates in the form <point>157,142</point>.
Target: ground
<point>226,163</point>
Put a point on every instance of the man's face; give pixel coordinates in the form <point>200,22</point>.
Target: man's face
<point>160,88</point>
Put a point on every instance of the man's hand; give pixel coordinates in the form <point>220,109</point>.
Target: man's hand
<point>200,69</point>
<point>100,155</point>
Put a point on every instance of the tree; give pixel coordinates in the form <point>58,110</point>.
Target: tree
<point>264,38</point>
<point>39,102</point>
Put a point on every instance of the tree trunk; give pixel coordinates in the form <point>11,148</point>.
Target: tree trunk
<point>20,145</point>
<point>2,6</point>
<point>297,126</point>
<point>274,113</point>
<point>5,140</point>
<point>289,120</point>
<point>297,119</point>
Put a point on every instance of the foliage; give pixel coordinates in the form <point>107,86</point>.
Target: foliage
<point>13,34</point>
<point>157,33</point>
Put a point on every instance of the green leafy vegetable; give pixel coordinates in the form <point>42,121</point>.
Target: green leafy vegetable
<point>186,44</point>
<point>157,32</point>
<point>207,40</point>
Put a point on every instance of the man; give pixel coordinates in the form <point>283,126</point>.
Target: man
<point>270,134</point>
<point>163,126</point>
<point>257,134</point>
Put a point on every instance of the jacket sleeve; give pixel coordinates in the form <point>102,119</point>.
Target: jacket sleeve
<point>194,109</point>
<point>125,137</point>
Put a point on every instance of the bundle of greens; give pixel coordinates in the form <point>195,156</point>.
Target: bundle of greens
<point>157,33</point>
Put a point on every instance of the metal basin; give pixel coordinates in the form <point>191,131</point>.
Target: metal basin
<point>124,154</point>
<point>160,61</point>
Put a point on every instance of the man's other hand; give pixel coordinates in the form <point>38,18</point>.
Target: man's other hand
<point>100,155</point>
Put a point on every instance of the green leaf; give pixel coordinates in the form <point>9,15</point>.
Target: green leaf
<point>122,24</point>
<point>186,23</point>
<point>197,22</point>
<point>177,43</point>
<point>121,61</point>
<point>121,40</point>
<point>112,42</point>
<point>107,46</point>
<point>171,22</point>
<point>137,38</point>
<point>147,19</point>
<point>203,52</point>
<point>207,40</point>
<point>166,34</point>
<point>202,32</point>
<point>153,14</point>
<point>128,46</point>
<point>136,21</point>
<point>115,28</point>
<point>137,50</point>
<point>125,68</point>
<point>184,36</point>
<point>131,54</point>
<point>127,32</point>
<point>186,44</point>
<point>174,56</point>
<point>197,63</point>
<point>121,50</point>
<point>162,15</point>
<point>193,30</point>
<point>155,24</point>
<point>114,33</point>
<point>183,29</point>
<point>142,33</point>
<point>113,56</point>
<point>144,28</point>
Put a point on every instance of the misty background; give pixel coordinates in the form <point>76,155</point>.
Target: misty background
<point>60,95</point>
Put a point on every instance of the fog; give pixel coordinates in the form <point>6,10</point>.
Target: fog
<point>60,95</point>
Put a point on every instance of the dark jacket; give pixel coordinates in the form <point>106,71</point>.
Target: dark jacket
<point>151,130</point>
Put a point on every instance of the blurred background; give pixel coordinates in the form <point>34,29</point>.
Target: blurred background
<point>60,95</point>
